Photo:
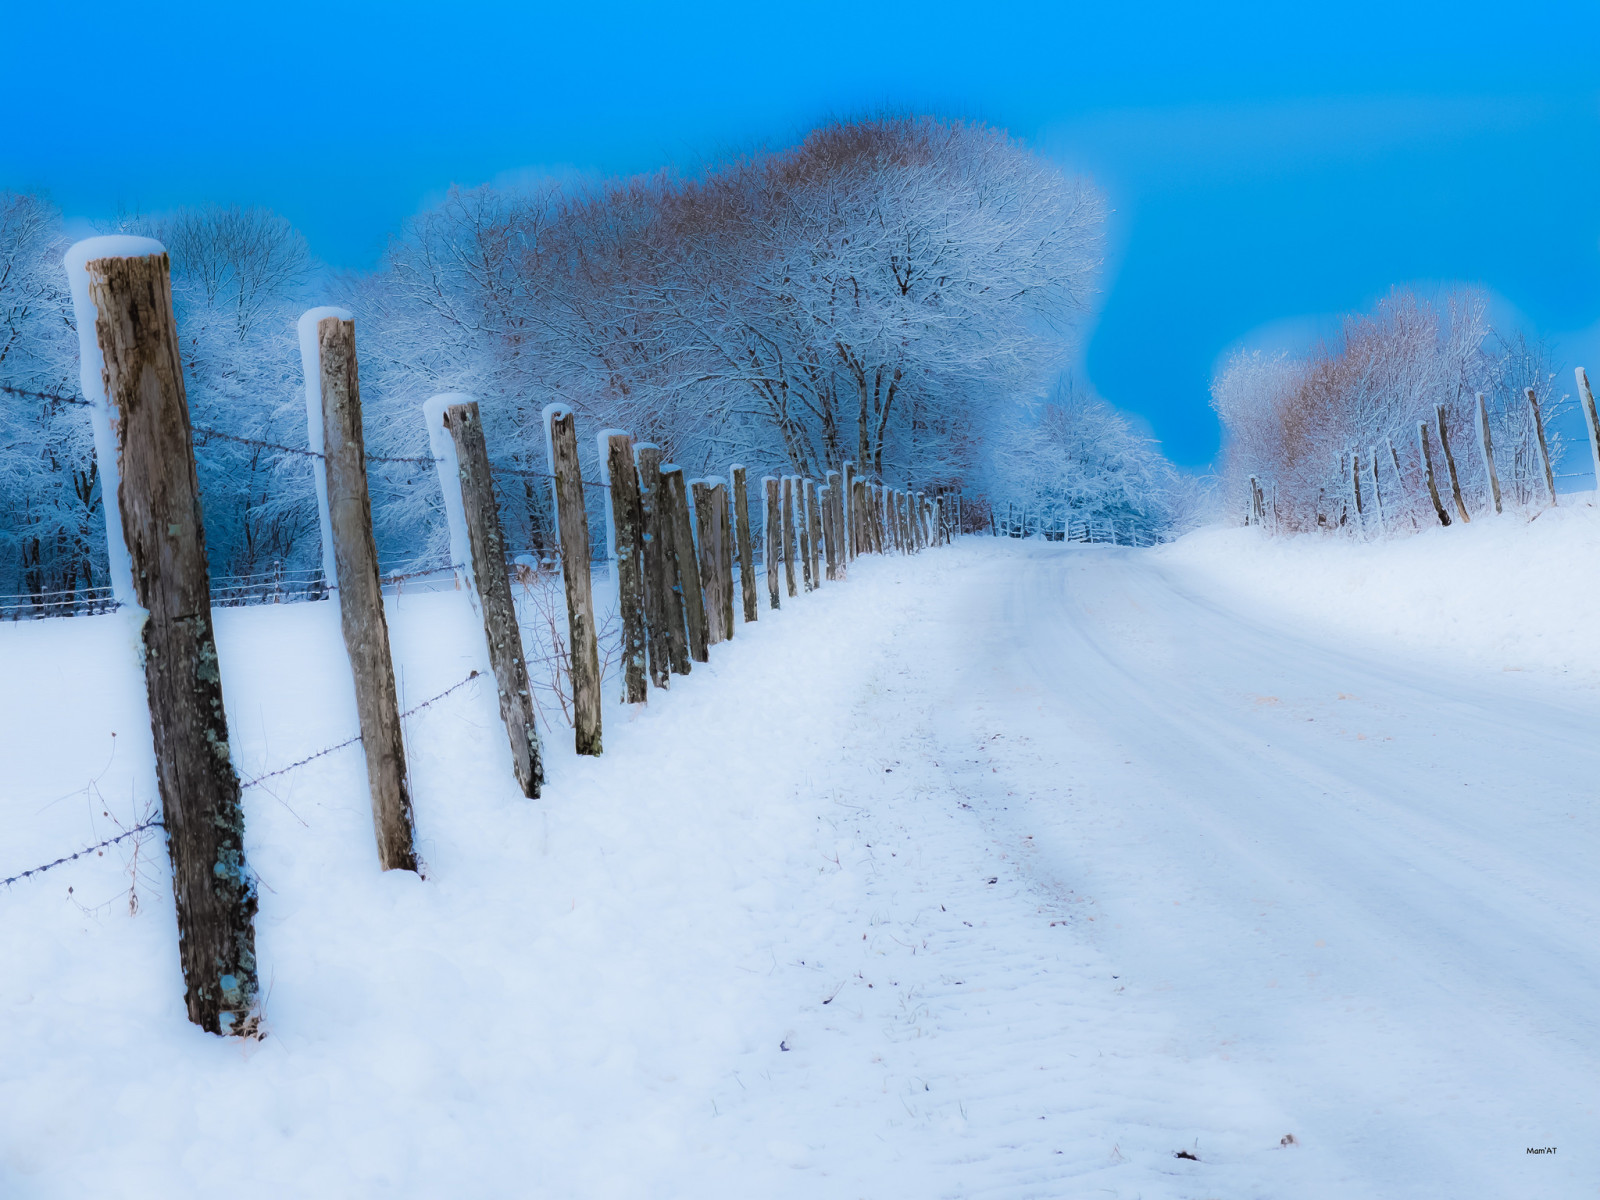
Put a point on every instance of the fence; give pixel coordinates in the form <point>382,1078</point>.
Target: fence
<point>1022,523</point>
<point>679,553</point>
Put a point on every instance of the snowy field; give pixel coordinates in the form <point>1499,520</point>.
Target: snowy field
<point>1008,870</point>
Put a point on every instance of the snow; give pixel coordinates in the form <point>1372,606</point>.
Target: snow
<point>311,364</point>
<point>92,381</point>
<point>443,448</point>
<point>1008,869</point>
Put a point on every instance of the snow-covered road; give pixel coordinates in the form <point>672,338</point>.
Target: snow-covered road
<point>1008,870</point>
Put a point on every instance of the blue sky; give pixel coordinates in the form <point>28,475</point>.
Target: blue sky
<point>1268,165</point>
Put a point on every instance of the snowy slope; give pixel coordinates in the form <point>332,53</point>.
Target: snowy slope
<point>1008,870</point>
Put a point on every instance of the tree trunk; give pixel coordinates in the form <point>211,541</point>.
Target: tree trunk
<point>158,502</point>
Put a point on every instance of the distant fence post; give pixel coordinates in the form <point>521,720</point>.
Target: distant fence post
<point>788,536</point>
<point>814,526</point>
<point>663,640</point>
<point>1544,449</point>
<point>705,526</point>
<point>686,562</point>
<point>834,514</point>
<point>1488,449</point>
<point>366,631</point>
<point>455,431</point>
<point>132,373</point>
<point>1427,473</point>
<point>772,527</point>
<point>858,504</point>
<point>627,553</point>
<point>744,544</point>
<point>802,524</point>
<point>572,527</point>
<point>847,507</point>
<point>1450,465</point>
<point>1591,420</point>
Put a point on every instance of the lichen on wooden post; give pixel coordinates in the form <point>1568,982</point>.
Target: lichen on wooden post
<point>124,309</point>
<point>572,523</point>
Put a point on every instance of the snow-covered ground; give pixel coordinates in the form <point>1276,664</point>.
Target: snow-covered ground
<point>1007,870</point>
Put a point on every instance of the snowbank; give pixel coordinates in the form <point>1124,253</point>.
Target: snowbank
<point>1504,593</point>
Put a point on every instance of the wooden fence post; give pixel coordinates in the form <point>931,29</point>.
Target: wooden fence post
<point>1488,450</point>
<point>1450,465</point>
<point>858,504</point>
<point>455,431</point>
<point>830,549</point>
<point>705,527</point>
<point>684,562</point>
<point>802,524</point>
<point>1544,449</point>
<point>1427,473</point>
<point>788,536</point>
<point>1377,494</point>
<point>663,636</point>
<point>1591,420</point>
<point>726,546</point>
<point>834,513</point>
<point>366,631</point>
<point>772,527</point>
<point>1355,489</point>
<point>847,506</point>
<point>122,297</point>
<point>814,528</point>
<point>745,544</point>
<point>572,525</point>
<point>627,554</point>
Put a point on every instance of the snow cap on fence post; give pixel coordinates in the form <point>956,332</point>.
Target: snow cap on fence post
<point>311,366</point>
<point>449,466</point>
<point>91,380</point>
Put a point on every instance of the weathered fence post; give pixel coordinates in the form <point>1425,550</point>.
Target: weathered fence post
<point>331,342</point>
<point>858,508</point>
<point>132,374</point>
<point>705,526</point>
<point>1591,420</point>
<point>772,527</point>
<point>455,431</point>
<point>835,513</point>
<point>627,554</point>
<point>684,562</point>
<point>663,639</point>
<point>1355,488</point>
<point>1427,473</point>
<point>829,546</point>
<point>788,536</point>
<point>847,504</point>
<point>726,547</point>
<point>1450,465</point>
<point>746,546</point>
<point>1488,450</point>
<point>814,529</point>
<point>572,528</point>
<point>1544,449</point>
<point>1377,495</point>
<point>802,524</point>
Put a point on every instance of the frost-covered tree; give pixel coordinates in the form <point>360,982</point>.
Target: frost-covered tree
<point>1303,426</point>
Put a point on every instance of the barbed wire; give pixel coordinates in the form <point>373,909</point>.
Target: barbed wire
<point>156,822</point>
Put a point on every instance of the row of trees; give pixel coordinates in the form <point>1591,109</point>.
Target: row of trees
<point>885,291</point>
<point>1310,429</point>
